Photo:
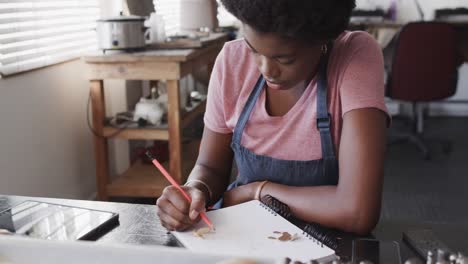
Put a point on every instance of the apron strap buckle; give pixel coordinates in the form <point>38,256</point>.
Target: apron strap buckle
<point>323,123</point>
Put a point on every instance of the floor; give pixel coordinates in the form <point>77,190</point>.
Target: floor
<point>434,191</point>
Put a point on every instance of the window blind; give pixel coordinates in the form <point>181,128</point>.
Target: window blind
<point>38,33</point>
<point>170,10</point>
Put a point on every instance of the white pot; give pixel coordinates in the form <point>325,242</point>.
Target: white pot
<point>196,14</point>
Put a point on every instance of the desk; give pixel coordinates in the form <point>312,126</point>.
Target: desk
<point>139,224</point>
<point>374,27</point>
<point>168,65</point>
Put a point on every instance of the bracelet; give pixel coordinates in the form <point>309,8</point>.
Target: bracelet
<point>210,194</point>
<point>259,190</point>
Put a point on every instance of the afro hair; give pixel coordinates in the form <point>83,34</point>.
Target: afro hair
<point>309,20</point>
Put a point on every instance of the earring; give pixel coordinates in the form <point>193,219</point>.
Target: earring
<point>324,49</point>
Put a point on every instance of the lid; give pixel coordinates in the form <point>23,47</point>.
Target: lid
<point>122,19</point>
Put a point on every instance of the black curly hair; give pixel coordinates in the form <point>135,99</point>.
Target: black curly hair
<point>309,20</point>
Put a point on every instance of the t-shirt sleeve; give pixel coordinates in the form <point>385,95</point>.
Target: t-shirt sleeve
<point>362,82</point>
<point>215,118</point>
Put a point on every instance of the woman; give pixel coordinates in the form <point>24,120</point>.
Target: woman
<point>299,103</point>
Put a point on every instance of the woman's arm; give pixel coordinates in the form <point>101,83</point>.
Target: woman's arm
<point>214,163</point>
<point>212,170</point>
<point>354,204</point>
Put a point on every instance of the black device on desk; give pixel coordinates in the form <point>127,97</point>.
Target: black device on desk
<point>56,222</point>
<point>376,251</point>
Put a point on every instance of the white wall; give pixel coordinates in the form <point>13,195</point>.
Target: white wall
<point>406,12</point>
<point>45,147</point>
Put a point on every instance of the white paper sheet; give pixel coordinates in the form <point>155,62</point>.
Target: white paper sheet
<point>245,229</point>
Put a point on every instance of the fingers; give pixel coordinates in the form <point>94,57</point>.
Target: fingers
<point>198,204</point>
<point>172,219</point>
<point>173,209</point>
<point>175,212</point>
<point>177,218</point>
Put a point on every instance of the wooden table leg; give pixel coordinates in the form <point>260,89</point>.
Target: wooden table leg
<point>100,143</point>
<point>175,137</point>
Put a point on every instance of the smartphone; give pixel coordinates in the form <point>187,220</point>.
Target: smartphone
<point>376,251</point>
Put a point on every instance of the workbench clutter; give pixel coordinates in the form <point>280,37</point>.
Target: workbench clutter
<point>151,109</point>
<point>135,33</point>
<point>168,67</point>
<point>138,33</point>
<point>130,33</point>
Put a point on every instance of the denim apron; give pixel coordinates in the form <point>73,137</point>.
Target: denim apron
<point>252,167</point>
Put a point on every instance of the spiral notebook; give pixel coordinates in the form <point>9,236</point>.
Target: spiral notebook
<point>254,229</point>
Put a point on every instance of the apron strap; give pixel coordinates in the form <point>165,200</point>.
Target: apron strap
<point>249,105</point>
<point>323,116</point>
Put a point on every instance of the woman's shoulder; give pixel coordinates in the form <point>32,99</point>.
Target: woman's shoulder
<point>355,38</point>
<point>354,48</point>
<point>352,42</point>
<point>235,49</point>
<point>235,44</point>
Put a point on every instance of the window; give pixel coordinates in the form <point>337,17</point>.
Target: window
<point>38,33</point>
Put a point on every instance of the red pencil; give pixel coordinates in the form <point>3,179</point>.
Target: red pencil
<point>175,184</point>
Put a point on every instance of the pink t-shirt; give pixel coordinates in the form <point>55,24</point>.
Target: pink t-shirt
<point>355,80</point>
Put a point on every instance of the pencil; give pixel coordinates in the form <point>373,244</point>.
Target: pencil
<point>175,184</point>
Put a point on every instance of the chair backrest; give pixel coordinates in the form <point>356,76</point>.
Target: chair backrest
<point>425,63</point>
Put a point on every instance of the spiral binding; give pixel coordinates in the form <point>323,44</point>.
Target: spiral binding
<point>274,206</point>
<point>321,235</point>
<point>315,232</point>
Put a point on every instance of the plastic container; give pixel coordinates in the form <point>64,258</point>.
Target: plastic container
<point>157,29</point>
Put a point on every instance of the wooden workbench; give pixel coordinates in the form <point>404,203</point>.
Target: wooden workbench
<point>168,65</point>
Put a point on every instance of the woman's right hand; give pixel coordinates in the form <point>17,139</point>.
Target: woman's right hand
<point>175,212</point>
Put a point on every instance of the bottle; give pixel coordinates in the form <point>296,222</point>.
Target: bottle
<point>160,28</point>
<point>157,30</point>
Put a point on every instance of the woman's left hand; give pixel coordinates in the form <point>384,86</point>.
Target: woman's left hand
<point>240,194</point>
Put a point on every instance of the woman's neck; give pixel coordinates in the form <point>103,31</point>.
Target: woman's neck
<point>279,102</point>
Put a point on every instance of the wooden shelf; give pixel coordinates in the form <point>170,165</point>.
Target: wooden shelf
<point>155,132</point>
<point>144,180</point>
<point>170,65</point>
<point>137,133</point>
